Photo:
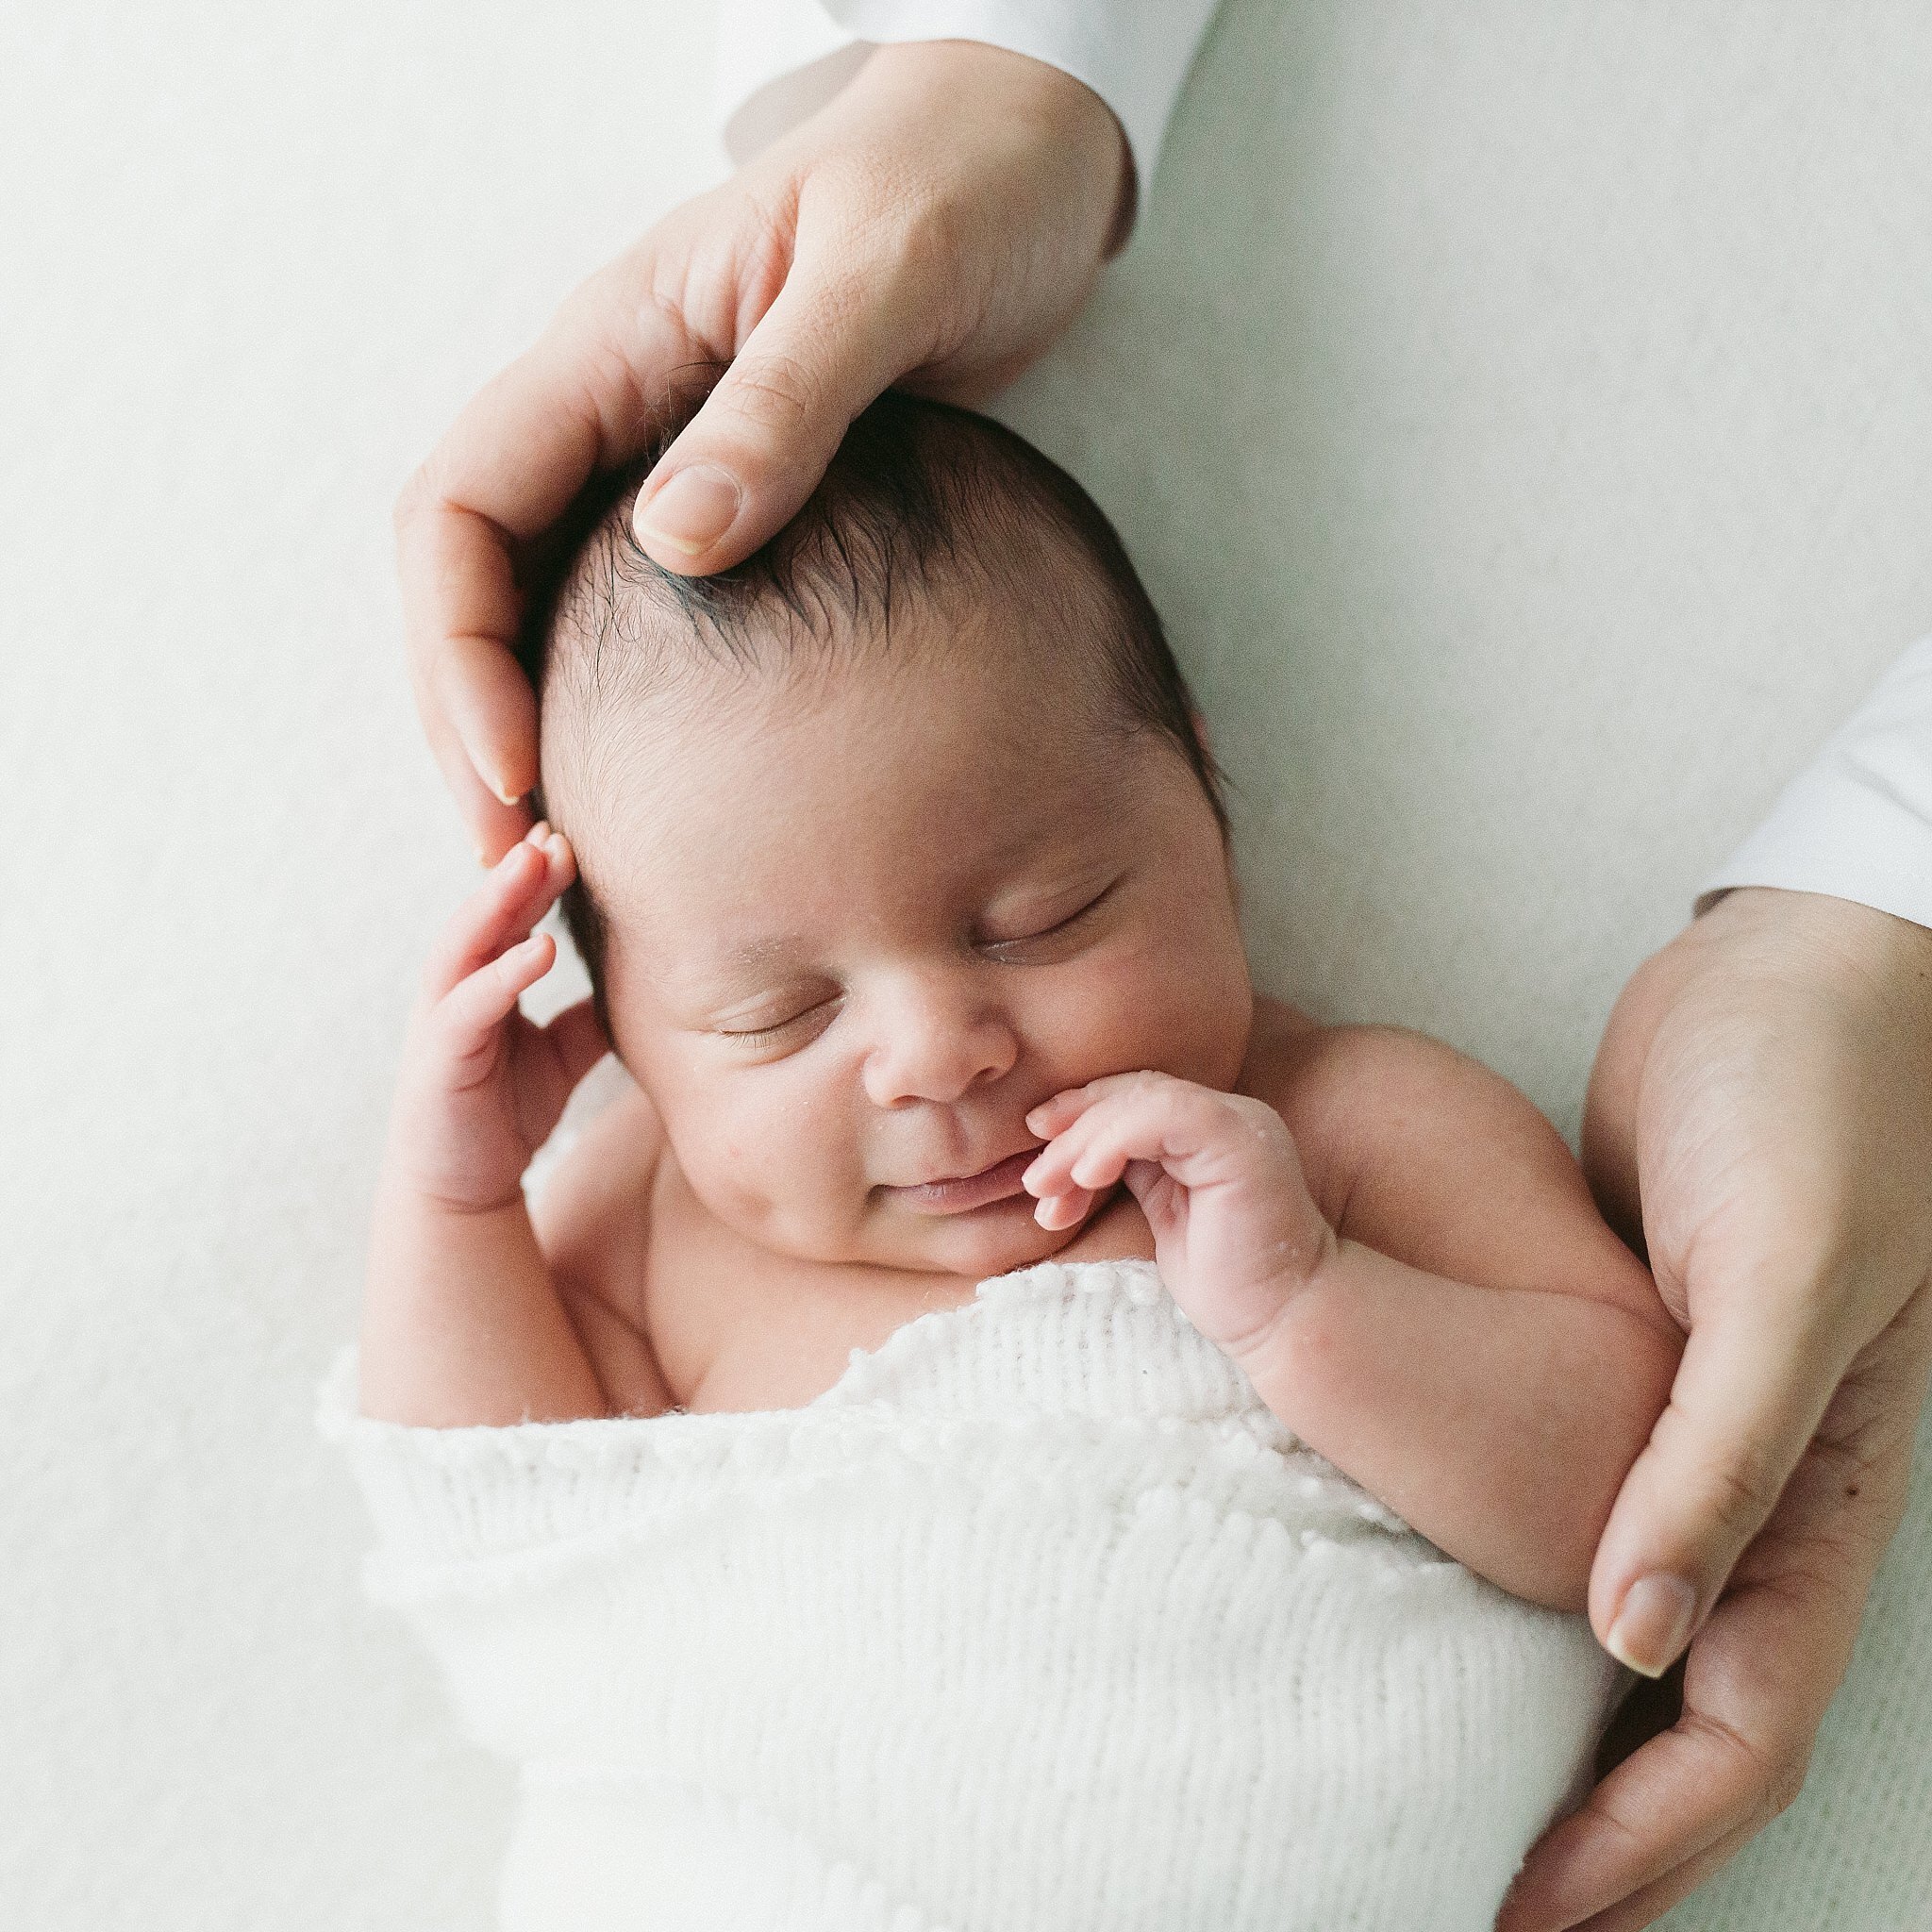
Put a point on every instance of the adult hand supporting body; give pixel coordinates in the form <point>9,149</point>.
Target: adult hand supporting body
<point>936,224</point>
<point>1761,1113</point>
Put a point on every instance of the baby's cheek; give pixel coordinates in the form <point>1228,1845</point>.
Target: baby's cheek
<point>789,1179</point>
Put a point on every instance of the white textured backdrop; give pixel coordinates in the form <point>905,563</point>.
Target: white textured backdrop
<point>1522,413</point>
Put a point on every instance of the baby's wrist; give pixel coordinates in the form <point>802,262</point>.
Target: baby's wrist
<point>1297,1272</point>
<point>405,1190</point>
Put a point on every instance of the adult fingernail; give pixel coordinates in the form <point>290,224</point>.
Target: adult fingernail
<point>1652,1625</point>
<point>693,510</point>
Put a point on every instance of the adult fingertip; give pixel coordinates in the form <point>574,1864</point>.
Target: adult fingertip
<point>496,828</point>
<point>491,710</point>
<point>1653,1623</point>
<point>687,515</point>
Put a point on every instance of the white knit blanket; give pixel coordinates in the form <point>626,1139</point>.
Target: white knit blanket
<point>1037,1619</point>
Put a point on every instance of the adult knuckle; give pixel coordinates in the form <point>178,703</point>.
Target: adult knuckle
<point>1743,1491</point>
<point>1769,1775</point>
<point>777,390</point>
<point>925,239</point>
<point>911,240</point>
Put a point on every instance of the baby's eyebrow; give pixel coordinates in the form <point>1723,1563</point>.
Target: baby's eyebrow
<point>718,975</point>
<point>757,954</point>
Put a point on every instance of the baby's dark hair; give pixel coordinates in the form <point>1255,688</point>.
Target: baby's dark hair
<point>922,499</point>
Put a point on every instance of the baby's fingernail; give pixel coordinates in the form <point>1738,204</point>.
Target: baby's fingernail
<point>693,510</point>
<point>538,833</point>
<point>1652,1625</point>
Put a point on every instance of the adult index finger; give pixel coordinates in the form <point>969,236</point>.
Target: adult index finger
<point>505,471</point>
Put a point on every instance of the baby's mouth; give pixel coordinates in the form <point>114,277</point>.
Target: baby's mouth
<point>961,1194</point>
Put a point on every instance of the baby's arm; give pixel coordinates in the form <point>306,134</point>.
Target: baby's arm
<point>1481,1351</point>
<point>462,1322</point>
<point>1439,1309</point>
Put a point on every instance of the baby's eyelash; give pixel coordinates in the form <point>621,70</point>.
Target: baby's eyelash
<point>763,1036</point>
<point>758,1036</point>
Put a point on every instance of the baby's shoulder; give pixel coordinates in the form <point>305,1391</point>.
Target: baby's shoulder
<point>1319,1076</point>
<point>1338,1087</point>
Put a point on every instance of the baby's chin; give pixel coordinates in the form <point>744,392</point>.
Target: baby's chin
<point>993,1239</point>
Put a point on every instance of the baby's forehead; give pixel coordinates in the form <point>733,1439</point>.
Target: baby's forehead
<point>935,766</point>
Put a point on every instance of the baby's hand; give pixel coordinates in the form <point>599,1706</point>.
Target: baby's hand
<point>481,1086</point>
<point>1236,1231</point>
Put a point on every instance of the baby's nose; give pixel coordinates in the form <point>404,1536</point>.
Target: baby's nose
<point>938,1047</point>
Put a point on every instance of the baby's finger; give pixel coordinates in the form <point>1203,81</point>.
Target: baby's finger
<point>517,893</point>
<point>469,1015</point>
<point>1050,1171</point>
<point>1057,1211</point>
<point>1054,1116</point>
<point>1064,1202</point>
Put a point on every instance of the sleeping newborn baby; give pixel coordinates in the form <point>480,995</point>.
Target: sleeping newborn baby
<point>993,1426</point>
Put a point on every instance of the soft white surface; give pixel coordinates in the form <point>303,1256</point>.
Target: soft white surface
<point>971,1643</point>
<point>1520,411</point>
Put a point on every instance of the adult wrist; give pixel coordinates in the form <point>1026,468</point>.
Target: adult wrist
<point>1064,112</point>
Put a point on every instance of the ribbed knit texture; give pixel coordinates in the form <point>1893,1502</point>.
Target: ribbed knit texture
<point>1037,1619</point>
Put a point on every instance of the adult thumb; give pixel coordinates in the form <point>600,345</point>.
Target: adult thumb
<point>1749,1395</point>
<point>745,464</point>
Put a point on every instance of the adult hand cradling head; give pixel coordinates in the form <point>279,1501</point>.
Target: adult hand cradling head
<point>857,253</point>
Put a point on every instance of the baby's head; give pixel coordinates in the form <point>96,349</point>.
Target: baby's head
<point>885,837</point>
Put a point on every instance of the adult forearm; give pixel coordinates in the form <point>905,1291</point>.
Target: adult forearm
<point>462,1323</point>
<point>1498,1423</point>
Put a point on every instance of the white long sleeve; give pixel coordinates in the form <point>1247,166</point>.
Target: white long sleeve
<point>780,60</point>
<point>1856,823</point>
